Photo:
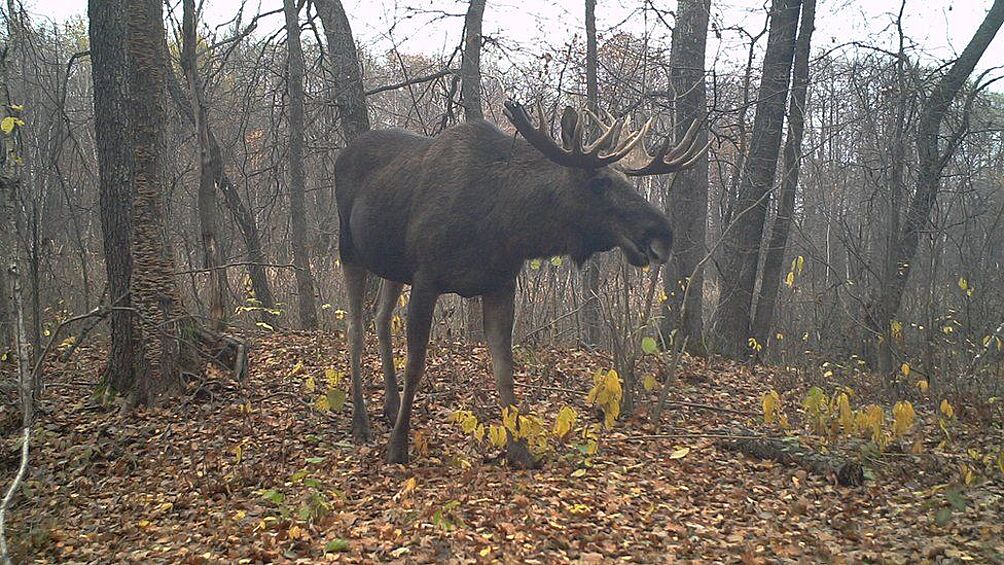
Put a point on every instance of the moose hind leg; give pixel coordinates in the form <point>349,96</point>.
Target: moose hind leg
<point>390,291</point>
<point>355,281</point>
<point>420,310</point>
<point>498,320</point>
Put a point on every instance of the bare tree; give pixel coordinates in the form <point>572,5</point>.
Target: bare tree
<point>350,95</point>
<point>297,181</point>
<point>933,156</point>
<point>778,242</point>
<point>687,202</point>
<point>208,215</point>
<point>109,64</point>
<point>591,311</point>
<point>742,242</point>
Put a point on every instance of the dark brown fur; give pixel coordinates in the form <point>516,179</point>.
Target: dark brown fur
<point>460,213</point>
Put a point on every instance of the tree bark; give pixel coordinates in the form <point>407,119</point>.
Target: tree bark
<point>470,98</point>
<point>687,203</point>
<point>208,215</point>
<point>592,327</point>
<point>743,241</point>
<point>350,97</point>
<point>162,322</point>
<point>109,64</point>
<point>845,472</point>
<point>773,263</point>
<point>932,160</point>
<point>297,182</point>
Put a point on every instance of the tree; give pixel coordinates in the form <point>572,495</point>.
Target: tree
<point>687,202</point>
<point>350,97</point>
<point>208,215</point>
<point>773,263</point>
<point>591,319</point>
<point>470,98</point>
<point>743,238</point>
<point>933,157</point>
<point>297,182</point>
<point>109,64</point>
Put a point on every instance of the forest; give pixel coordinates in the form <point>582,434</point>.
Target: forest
<point>299,281</point>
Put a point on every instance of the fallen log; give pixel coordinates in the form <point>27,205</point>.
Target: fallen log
<point>788,452</point>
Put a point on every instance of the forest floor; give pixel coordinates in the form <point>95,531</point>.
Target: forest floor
<point>256,472</point>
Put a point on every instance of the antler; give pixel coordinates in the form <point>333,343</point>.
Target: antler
<point>607,149</point>
<point>670,158</point>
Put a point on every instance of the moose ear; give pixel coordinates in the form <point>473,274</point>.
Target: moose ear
<point>569,125</point>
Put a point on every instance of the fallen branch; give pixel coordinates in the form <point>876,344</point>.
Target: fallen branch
<point>22,468</point>
<point>845,471</point>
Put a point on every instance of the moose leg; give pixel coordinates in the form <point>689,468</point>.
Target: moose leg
<point>355,281</point>
<point>389,293</point>
<point>420,310</point>
<point>498,319</point>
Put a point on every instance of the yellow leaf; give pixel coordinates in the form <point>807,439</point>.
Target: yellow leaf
<point>564,422</point>
<point>771,402</point>
<point>497,435</point>
<point>661,297</point>
<point>649,382</point>
<point>8,124</point>
<point>297,369</point>
<point>339,314</point>
<point>143,523</point>
<point>238,454</point>
<point>17,107</point>
<point>333,376</point>
<point>905,369</point>
<point>479,432</point>
<point>790,279</point>
<point>578,473</point>
<point>409,486</point>
<point>922,385</point>
<point>963,283</point>
<point>510,414</point>
<point>947,409</point>
<point>322,404</point>
<point>679,453</point>
<point>903,416</point>
<point>310,385</point>
<point>484,552</point>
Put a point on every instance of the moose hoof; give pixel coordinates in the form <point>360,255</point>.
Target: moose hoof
<point>518,456</point>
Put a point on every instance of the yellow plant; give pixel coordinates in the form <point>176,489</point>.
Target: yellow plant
<point>607,395</point>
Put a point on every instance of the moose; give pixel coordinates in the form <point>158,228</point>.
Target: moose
<point>461,212</point>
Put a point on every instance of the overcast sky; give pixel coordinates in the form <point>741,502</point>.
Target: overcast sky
<point>940,28</point>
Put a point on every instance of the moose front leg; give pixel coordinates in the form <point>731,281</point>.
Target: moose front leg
<point>420,310</point>
<point>498,320</point>
<point>390,291</point>
<point>355,281</point>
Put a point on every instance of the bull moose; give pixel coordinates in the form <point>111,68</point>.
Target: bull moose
<point>461,212</point>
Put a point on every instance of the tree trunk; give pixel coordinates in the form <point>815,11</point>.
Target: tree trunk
<point>742,243</point>
<point>470,68</point>
<point>592,327</point>
<point>687,203</point>
<point>207,194</point>
<point>932,161</point>
<point>109,64</point>
<point>297,182</point>
<point>349,93</point>
<point>162,322</point>
<point>245,220</point>
<point>470,98</point>
<point>773,263</point>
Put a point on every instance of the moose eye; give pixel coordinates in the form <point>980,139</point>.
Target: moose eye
<point>599,184</point>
